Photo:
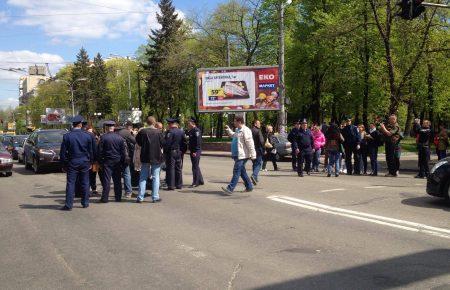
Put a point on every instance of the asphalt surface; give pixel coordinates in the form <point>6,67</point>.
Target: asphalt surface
<point>289,233</point>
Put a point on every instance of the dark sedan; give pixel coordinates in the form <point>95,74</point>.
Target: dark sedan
<point>6,162</point>
<point>41,150</point>
<point>15,143</point>
<point>439,179</point>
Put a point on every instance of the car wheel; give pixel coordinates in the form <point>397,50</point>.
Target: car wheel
<point>27,164</point>
<point>8,174</point>
<point>36,168</point>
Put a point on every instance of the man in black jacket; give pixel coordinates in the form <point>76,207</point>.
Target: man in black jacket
<point>373,142</point>
<point>126,133</point>
<point>195,148</point>
<point>151,141</point>
<point>258,139</point>
<point>424,140</point>
<point>291,138</point>
<point>352,144</point>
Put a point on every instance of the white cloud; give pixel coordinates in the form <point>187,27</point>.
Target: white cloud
<point>23,58</point>
<point>89,19</point>
<point>3,17</point>
<point>8,103</point>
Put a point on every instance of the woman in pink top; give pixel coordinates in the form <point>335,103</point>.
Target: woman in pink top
<point>319,142</point>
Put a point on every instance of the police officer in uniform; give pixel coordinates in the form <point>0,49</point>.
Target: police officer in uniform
<point>291,138</point>
<point>77,156</point>
<point>175,148</point>
<point>303,146</point>
<point>352,144</point>
<point>195,148</point>
<point>424,139</point>
<point>112,156</point>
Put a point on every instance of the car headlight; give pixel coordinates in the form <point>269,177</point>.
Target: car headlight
<point>46,152</point>
<point>5,160</point>
<point>439,164</point>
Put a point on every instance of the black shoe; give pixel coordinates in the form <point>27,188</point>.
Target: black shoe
<point>349,174</point>
<point>308,172</point>
<point>179,187</point>
<point>300,175</point>
<point>65,208</point>
<point>193,186</point>
<point>138,201</point>
<point>102,201</point>
<point>329,175</point>
<point>85,205</point>
<point>254,181</point>
<point>419,176</point>
<point>157,200</point>
<point>118,200</point>
<point>169,189</point>
<point>337,175</point>
<point>249,190</point>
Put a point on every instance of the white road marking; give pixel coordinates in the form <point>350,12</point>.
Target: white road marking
<point>335,189</point>
<point>381,220</point>
<point>375,187</point>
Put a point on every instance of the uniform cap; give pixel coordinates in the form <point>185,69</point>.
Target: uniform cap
<point>303,121</point>
<point>193,120</point>
<point>109,123</point>
<point>172,120</point>
<point>77,119</point>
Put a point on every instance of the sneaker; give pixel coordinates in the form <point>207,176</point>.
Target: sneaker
<point>128,195</point>
<point>157,200</point>
<point>254,181</point>
<point>248,189</point>
<point>227,191</point>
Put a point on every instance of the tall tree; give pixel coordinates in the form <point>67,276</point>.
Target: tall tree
<point>81,70</point>
<point>102,102</point>
<point>160,81</point>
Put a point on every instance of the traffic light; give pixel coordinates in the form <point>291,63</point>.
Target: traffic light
<point>410,9</point>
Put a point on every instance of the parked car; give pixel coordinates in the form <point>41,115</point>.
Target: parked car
<point>438,183</point>
<point>20,151</point>
<point>15,143</point>
<point>5,140</point>
<point>41,150</point>
<point>283,146</point>
<point>6,162</point>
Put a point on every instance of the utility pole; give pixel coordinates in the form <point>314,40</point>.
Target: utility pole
<point>139,88</point>
<point>282,122</point>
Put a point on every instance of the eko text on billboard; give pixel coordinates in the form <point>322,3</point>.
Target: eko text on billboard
<point>238,89</point>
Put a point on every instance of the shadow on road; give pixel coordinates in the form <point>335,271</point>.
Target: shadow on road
<point>40,206</point>
<point>22,171</point>
<point>428,202</point>
<point>384,274</point>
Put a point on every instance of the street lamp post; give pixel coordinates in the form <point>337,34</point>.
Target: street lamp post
<point>72,90</point>
<point>282,113</point>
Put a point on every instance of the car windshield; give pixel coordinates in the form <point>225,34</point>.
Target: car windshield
<point>6,140</point>
<point>51,137</point>
<point>18,140</point>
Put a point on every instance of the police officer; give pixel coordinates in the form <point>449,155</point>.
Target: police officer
<point>352,144</point>
<point>77,156</point>
<point>112,156</point>
<point>291,138</point>
<point>92,178</point>
<point>195,148</point>
<point>175,148</point>
<point>126,133</point>
<point>303,146</point>
<point>424,139</point>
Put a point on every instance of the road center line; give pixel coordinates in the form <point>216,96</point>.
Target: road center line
<point>375,187</point>
<point>381,220</point>
<point>335,189</point>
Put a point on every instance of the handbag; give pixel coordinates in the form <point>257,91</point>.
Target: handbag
<point>267,144</point>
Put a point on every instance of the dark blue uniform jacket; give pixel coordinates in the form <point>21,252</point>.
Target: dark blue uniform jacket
<point>78,148</point>
<point>112,149</point>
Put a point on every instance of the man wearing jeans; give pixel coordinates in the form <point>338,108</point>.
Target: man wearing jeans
<point>151,141</point>
<point>258,140</point>
<point>125,133</point>
<point>242,149</point>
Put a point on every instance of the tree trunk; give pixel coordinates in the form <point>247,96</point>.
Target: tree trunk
<point>430,81</point>
<point>365,110</point>
<point>410,115</point>
<point>219,132</point>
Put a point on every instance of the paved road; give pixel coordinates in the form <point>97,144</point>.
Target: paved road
<point>290,233</point>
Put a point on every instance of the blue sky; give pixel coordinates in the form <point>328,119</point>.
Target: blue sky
<point>54,30</point>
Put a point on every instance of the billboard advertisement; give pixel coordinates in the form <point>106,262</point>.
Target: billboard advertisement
<point>54,116</point>
<point>238,89</point>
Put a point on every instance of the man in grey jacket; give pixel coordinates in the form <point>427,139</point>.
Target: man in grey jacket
<point>242,149</point>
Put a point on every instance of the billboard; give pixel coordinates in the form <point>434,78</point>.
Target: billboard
<point>238,89</point>
<point>54,116</point>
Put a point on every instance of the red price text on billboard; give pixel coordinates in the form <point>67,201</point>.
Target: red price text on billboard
<point>238,89</point>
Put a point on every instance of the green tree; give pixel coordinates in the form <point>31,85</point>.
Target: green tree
<point>102,101</point>
<point>82,93</point>
<point>161,83</point>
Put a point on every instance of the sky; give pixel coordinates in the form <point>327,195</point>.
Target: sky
<point>53,31</point>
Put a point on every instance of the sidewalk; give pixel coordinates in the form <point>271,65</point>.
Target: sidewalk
<point>408,160</point>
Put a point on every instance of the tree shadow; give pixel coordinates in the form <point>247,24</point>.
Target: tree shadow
<point>384,274</point>
<point>428,202</point>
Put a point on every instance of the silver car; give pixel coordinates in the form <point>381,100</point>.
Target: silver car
<point>283,146</point>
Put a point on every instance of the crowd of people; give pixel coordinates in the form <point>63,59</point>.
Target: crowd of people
<point>121,152</point>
